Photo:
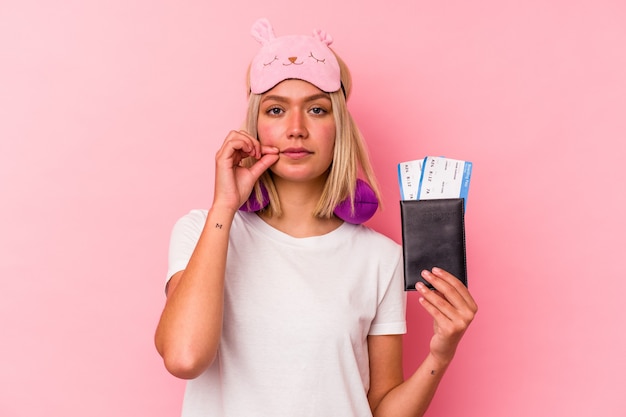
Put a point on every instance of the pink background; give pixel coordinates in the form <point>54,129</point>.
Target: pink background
<point>110,114</point>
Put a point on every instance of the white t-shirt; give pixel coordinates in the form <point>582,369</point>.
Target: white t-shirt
<point>297,315</point>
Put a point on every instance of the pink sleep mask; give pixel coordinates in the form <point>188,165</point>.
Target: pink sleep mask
<point>299,57</point>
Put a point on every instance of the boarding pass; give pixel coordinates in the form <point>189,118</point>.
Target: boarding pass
<point>434,177</point>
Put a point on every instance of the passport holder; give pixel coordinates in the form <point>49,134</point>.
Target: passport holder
<point>433,234</point>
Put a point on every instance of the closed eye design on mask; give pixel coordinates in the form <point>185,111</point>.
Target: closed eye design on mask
<point>293,60</point>
<point>270,63</point>
<point>323,61</point>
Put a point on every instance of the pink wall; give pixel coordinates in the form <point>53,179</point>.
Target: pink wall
<point>110,113</point>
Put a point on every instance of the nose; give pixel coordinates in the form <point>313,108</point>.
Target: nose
<point>292,59</point>
<point>296,128</point>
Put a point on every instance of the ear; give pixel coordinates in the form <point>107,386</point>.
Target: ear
<point>262,31</point>
<point>322,36</point>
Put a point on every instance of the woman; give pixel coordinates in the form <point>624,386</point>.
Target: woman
<point>278,302</point>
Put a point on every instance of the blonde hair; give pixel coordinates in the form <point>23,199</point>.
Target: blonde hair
<point>350,159</point>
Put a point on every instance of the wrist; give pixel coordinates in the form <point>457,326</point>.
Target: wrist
<point>222,210</point>
<point>220,217</point>
<point>438,362</point>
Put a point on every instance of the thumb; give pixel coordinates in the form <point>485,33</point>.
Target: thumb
<point>262,164</point>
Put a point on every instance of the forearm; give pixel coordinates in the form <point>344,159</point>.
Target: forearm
<point>414,395</point>
<point>189,330</point>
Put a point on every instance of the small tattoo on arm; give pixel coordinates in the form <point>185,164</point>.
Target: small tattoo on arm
<point>432,372</point>
<point>218,226</point>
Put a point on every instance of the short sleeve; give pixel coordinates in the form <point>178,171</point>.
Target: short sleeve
<point>391,313</point>
<point>183,240</point>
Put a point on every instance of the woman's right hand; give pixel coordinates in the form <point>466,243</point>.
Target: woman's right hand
<point>234,182</point>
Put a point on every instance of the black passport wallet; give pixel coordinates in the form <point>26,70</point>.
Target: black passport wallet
<point>433,234</point>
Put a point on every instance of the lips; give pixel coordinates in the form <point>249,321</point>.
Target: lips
<point>296,153</point>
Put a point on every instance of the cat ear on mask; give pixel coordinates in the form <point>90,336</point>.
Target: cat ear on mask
<point>323,37</point>
<point>262,31</point>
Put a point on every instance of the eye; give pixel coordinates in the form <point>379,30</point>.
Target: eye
<point>318,111</point>
<point>274,111</point>
<point>317,60</point>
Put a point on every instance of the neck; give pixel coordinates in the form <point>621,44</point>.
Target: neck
<point>298,202</point>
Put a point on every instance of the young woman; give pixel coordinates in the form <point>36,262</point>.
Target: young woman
<point>279,303</point>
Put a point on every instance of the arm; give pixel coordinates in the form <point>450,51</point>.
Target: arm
<point>189,330</point>
<point>452,309</point>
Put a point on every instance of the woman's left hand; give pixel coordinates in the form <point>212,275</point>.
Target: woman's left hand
<point>452,308</point>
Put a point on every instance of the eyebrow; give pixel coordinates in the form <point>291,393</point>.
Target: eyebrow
<point>285,99</point>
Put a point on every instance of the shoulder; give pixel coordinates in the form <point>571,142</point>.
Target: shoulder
<point>375,237</point>
<point>194,216</point>
<point>375,243</point>
<point>187,228</point>
<point>184,237</point>
<point>193,221</point>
